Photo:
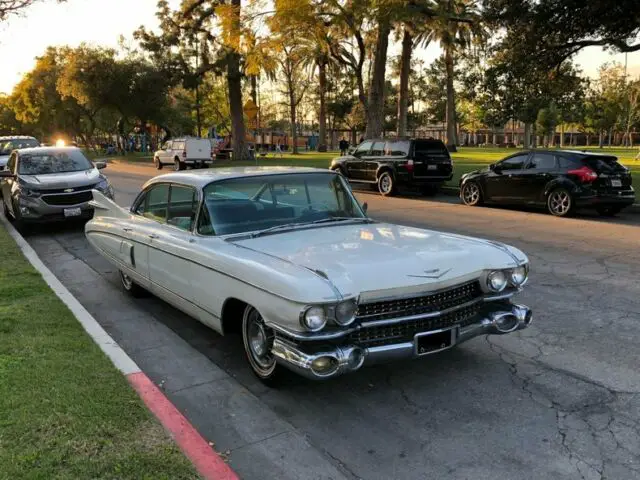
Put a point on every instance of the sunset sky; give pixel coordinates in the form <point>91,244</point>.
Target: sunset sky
<point>101,23</point>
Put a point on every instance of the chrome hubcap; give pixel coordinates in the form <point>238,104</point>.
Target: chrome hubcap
<point>126,280</point>
<point>259,340</point>
<point>560,202</point>
<point>471,193</point>
<point>385,183</point>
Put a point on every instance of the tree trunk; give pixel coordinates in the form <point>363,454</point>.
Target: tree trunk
<point>526,143</point>
<point>561,135</point>
<point>600,139</point>
<point>234,83</point>
<point>405,70</point>
<point>375,115</point>
<point>322,117</point>
<point>451,140</point>
<point>254,85</point>
<point>610,134</point>
<point>294,130</point>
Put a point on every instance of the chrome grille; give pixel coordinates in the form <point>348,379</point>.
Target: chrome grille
<point>405,331</point>
<point>433,302</point>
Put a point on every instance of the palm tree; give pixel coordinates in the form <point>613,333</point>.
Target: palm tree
<point>455,24</point>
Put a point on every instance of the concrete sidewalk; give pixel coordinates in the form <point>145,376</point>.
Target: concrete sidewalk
<point>258,443</point>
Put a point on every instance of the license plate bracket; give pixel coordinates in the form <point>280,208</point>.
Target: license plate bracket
<point>615,182</point>
<point>432,167</point>
<point>72,212</point>
<point>435,341</point>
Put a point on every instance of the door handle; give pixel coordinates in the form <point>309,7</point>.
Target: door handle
<point>153,235</point>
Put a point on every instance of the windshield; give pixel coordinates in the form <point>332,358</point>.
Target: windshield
<point>53,162</point>
<point>251,204</point>
<point>8,146</point>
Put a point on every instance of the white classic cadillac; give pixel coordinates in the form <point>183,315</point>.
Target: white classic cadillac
<point>288,258</point>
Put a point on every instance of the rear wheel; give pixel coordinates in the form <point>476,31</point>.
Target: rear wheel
<point>386,184</point>
<point>131,287</point>
<point>471,194</point>
<point>560,202</point>
<point>258,342</point>
<point>609,211</point>
<point>157,163</point>
<point>178,165</point>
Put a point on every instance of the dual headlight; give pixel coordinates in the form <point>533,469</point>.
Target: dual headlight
<point>315,318</point>
<point>498,280</point>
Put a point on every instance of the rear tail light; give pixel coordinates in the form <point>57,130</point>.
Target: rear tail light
<point>584,174</point>
<point>409,165</point>
<point>184,154</point>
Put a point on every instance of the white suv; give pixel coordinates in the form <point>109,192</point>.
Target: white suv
<point>183,151</point>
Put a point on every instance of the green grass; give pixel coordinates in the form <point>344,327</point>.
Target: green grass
<point>465,159</point>
<point>65,411</point>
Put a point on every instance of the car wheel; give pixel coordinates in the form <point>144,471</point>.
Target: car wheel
<point>386,184</point>
<point>178,165</point>
<point>608,211</point>
<point>471,194</point>
<point>157,163</point>
<point>131,287</point>
<point>258,341</point>
<point>560,202</point>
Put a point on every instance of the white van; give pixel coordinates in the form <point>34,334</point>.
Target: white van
<point>183,151</point>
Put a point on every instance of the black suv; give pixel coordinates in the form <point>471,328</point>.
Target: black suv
<point>561,180</point>
<point>424,163</point>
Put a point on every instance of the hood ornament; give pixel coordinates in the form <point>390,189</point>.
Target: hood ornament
<point>435,273</point>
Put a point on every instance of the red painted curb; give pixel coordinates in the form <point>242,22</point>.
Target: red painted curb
<point>196,448</point>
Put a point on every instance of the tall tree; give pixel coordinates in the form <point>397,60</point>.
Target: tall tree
<point>16,7</point>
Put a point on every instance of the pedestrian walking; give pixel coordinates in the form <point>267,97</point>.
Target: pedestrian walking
<point>344,146</point>
<point>278,151</point>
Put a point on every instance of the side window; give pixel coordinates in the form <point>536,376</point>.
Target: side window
<point>398,148</point>
<point>363,148</point>
<point>183,204</point>
<point>156,201</point>
<point>178,145</point>
<point>11,164</point>
<point>166,146</point>
<point>541,161</point>
<point>378,149</point>
<point>514,163</point>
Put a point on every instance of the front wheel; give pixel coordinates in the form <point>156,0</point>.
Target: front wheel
<point>471,194</point>
<point>258,342</point>
<point>560,202</point>
<point>386,184</point>
<point>157,163</point>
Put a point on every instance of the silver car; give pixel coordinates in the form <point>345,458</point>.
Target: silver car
<point>49,184</point>
<point>14,142</point>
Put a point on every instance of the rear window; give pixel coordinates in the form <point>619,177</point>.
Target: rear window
<point>430,147</point>
<point>397,148</point>
<point>604,164</point>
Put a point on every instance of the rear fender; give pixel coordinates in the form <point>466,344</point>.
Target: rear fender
<point>105,207</point>
<point>385,168</point>
<point>559,182</point>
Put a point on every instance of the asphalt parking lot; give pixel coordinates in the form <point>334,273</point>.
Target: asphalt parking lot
<point>559,400</point>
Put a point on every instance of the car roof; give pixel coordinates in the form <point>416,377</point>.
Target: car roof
<point>201,178</point>
<point>17,137</point>
<point>34,150</point>
<point>553,151</point>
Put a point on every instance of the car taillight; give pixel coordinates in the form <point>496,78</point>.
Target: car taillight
<point>184,154</point>
<point>409,165</point>
<point>584,174</point>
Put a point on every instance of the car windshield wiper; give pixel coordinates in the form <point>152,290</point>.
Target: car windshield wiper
<point>303,224</point>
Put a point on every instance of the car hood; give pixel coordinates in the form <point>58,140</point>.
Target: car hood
<point>380,259</point>
<point>3,160</point>
<point>63,180</point>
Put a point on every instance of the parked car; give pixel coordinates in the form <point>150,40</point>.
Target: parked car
<point>48,184</point>
<point>11,143</point>
<point>422,163</point>
<point>561,180</point>
<point>184,151</point>
<point>289,259</point>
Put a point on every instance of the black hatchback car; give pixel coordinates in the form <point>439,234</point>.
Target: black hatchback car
<point>390,163</point>
<point>561,180</point>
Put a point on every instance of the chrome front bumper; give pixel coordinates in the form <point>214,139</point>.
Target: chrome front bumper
<point>337,360</point>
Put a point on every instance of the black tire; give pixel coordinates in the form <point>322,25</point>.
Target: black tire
<point>386,184</point>
<point>471,194</point>
<point>609,211</point>
<point>131,287</point>
<point>178,165</point>
<point>157,163</point>
<point>257,339</point>
<point>560,202</point>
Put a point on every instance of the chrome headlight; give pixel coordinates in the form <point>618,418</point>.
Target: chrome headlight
<point>345,312</point>
<point>497,281</point>
<point>314,319</point>
<point>519,275</point>
<point>30,192</point>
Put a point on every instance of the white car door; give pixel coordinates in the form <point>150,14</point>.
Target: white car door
<point>165,153</point>
<point>170,247</point>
